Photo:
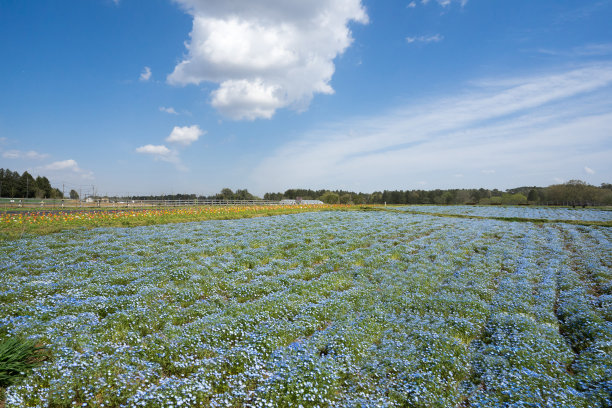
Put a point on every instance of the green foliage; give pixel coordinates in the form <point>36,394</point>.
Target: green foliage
<point>345,199</point>
<point>574,192</point>
<point>14,185</point>
<point>533,196</point>
<point>513,199</point>
<point>495,200</point>
<point>17,358</point>
<point>330,198</point>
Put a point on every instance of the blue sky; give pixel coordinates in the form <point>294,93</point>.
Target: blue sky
<point>161,96</point>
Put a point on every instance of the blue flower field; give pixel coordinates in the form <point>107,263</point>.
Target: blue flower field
<point>328,309</point>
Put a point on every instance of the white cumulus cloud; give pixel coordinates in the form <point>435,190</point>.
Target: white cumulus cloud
<point>589,170</point>
<point>185,135</point>
<point>266,54</point>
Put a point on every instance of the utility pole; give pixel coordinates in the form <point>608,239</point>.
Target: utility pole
<point>63,192</point>
<point>27,187</point>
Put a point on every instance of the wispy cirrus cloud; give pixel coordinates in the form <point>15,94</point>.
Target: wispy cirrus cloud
<point>425,39</point>
<point>18,154</point>
<point>588,50</point>
<point>524,128</point>
<point>169,110</point>
<point>443,3</point>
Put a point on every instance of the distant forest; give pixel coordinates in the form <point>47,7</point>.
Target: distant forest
<point>574,192</point>
<point>25,186</point>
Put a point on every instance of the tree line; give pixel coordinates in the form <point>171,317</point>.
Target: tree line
<point>14,185</point>
<point>573,192</point>
<point>225,194</point>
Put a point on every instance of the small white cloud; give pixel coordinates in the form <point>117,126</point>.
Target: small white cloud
<point>16,154</point>
<point>458,175</point>
<point>169,110</point>
<point>445,3</point>
<point>145,75</point>
<point>161,152</point>
<point>185,135</point>
<point>425,38</point>
<point>63,165</point>
<point>488,171</point>
<point>69,165</point>
<point>589,170</point>
<point>158,150</point>
<point>412,4</point>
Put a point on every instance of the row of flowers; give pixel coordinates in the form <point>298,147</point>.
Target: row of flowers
<point>95,216</point>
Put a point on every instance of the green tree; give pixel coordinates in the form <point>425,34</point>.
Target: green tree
<point>74,195</point>
<point>243,195</point>
<point>330,198</point>
<point>43,187</point>
<point>513,199</point>
<point>345,198</point>
<point>376,198</point>
<point>26,186</point>
<point>532,196</point>
<point>226,194</point>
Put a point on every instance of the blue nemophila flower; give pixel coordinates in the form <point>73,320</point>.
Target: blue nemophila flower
<point>322,309</point>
